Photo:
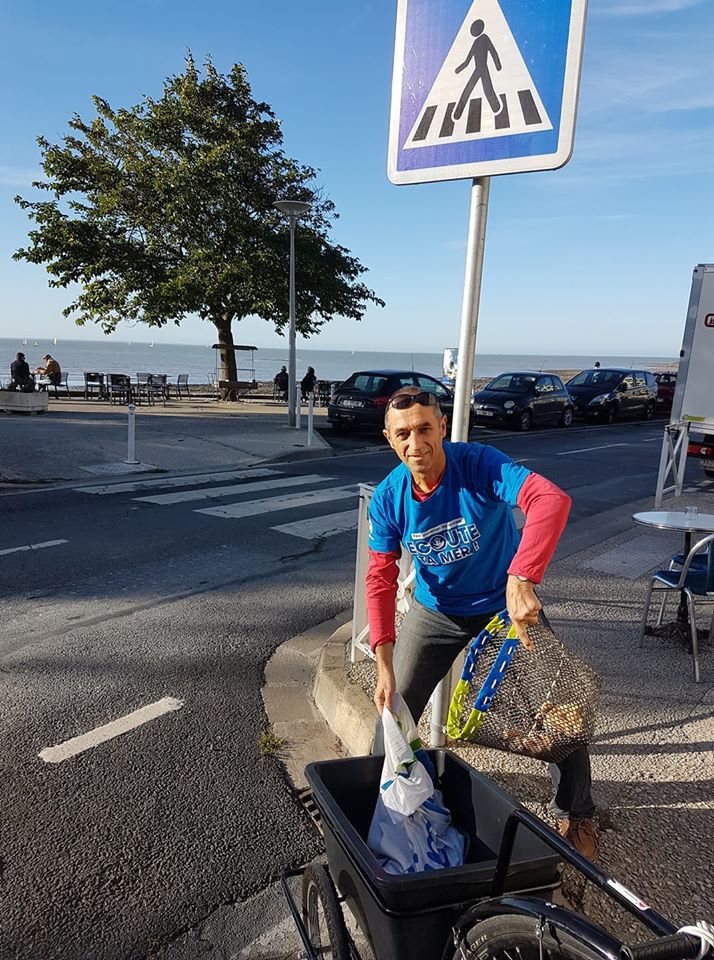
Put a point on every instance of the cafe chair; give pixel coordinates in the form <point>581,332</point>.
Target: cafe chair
<point>693,581</point>
<point>119,388</point>
<point>182,385</point>
<point>56,385</point>
<point>157,387</point>
<point>142,384</point>
<point>93,385</point>
<point>322,392</point>
<point>699,562</point>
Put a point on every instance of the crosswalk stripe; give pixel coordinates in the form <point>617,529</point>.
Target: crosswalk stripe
<point>315,527</point>
<point>216,493</point>
<point>476,122</point>
<point>137,485</point>
<point>252,508</point>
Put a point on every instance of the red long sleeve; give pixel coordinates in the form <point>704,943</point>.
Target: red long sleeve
<point>546,508</point>
<point>381,590</point>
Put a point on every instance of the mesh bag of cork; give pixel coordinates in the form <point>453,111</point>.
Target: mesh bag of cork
<point>541,704</point>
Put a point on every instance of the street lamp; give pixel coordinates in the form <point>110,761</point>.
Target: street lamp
<point>292,209</point>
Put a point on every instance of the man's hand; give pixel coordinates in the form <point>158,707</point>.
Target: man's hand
<point>523,607</point>
<point>386,684</point>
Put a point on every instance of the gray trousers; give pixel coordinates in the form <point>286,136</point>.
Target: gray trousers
<point>428,644</point>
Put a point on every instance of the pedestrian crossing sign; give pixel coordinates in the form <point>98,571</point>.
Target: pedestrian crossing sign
<point>484,87</point>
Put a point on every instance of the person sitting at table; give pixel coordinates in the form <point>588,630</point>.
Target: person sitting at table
<point>307,384</point>
<point>20,376</point>
<point>51,371</point>
<point>281,383</point>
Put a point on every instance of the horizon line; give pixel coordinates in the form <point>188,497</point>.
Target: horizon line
<point>405,352</point>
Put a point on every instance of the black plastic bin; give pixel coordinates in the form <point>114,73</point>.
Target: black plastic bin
<point>411,916</point>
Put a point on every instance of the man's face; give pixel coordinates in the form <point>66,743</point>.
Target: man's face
<point>416,434</point>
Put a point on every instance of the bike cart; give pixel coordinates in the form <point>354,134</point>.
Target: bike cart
<point>494,906</point>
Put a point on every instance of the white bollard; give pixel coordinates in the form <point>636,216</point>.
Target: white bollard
<point>310,415</point>
<point>297,406</point>
<point>130,445</point>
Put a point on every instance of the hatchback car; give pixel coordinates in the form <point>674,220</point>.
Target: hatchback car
<point>666,383</point>
<point>360,400</point>
<point>521,399</point>
<point>605,394</point>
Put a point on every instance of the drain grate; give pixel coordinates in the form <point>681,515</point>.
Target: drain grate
<point>307,801</point>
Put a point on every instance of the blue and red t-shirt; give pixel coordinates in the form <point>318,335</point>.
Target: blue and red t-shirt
<point>462,537</point>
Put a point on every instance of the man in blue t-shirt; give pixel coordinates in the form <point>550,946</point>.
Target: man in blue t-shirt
<point>449,505</point>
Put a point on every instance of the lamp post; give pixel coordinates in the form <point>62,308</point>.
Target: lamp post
<point>292,209</point>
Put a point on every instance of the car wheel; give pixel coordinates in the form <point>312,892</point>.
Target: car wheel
<point>611,413</point>
<point>525,420</point>
<point>567,417</point>
<point>648,412</point>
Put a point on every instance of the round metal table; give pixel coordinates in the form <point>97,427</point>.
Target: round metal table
<point>688,524</point>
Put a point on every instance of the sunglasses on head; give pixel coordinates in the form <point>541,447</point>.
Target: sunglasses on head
<point>400,401</point>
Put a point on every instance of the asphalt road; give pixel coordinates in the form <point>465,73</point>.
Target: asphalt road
<point>140,595</point>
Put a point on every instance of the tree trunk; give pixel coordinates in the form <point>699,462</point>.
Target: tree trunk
<point>228,373</point>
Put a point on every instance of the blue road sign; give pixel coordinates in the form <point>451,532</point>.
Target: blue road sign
<point>484,87</point>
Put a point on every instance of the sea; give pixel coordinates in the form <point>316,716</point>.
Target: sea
<point>199,362</point>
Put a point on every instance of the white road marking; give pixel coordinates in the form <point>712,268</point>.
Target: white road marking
<point>137,485</point>
<point>652,439</point>
<point>327,526</point>
<point>252,508</point>
<point>70,748</point>
<point>216,493</point>
<point>605,446</point>
<point>33,546</point>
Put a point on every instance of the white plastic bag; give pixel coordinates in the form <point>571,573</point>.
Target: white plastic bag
<point>411,828</point>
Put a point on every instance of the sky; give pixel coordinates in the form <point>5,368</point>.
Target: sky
<point>594,258</point>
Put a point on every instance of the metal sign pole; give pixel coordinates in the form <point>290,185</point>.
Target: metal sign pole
<point>464,378</point>
<point>469,310</point>
<point>292,371</point>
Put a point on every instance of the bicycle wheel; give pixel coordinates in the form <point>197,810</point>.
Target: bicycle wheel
<point>322,914</point>
<point>513,937</point>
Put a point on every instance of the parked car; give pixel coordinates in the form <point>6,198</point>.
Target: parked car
<point>704,449</point>
<point>605,394</point>
<point>360,400</point>
<point>519,400</point>
<point>666,383</point>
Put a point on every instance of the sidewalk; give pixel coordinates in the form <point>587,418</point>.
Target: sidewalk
<point>653,759</point>
<point>76,439</point>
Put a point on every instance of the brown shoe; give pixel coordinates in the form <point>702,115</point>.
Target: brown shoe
<point>582,835</point>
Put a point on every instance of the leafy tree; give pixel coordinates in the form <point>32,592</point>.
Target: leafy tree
<point>166,209</point>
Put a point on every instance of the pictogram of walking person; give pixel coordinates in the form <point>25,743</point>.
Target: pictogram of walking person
<point>480,50</point>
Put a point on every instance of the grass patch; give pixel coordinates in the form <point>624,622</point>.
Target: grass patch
<point>269,743</point>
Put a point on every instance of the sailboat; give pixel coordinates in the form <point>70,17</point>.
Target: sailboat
<point>54,342</point>
<point>24,342</point>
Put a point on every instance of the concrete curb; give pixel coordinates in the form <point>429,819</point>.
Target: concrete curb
<point>347,710</point>
<point>287,696</point>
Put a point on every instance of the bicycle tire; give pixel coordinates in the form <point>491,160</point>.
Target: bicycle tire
<point>513,937</point>
<point>322,914</point>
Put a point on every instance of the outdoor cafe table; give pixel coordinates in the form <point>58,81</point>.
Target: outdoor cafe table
<point>687,524</point>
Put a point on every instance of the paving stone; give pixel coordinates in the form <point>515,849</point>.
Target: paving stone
<point>286,704</point>
<point>288,668</point>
